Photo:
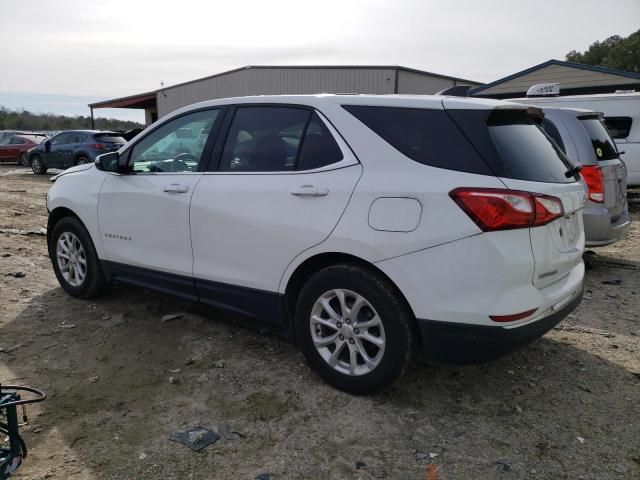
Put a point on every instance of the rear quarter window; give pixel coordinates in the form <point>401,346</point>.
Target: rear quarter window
<point>426,136</point>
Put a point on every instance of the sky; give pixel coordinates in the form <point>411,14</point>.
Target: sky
<point>57,56</point>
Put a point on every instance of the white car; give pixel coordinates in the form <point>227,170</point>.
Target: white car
<point>369,227</point>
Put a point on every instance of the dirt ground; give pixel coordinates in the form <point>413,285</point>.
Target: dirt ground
<point>568,406</point>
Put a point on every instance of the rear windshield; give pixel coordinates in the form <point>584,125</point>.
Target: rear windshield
<point>109,138</point>
<point>603,144</point>
<point>529,154</point>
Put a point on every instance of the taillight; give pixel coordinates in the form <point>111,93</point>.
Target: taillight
<point>592,176</point>
<point>501,209</point>
<point>98,146</point>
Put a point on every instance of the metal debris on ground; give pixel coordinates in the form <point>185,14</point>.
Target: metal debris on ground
<point>263,476</point>
<point>195,438</point>
<point>171,316</point>
<point>613,281</point>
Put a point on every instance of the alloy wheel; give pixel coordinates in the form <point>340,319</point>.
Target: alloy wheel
<point>72,260</point>
<point>347,332</point>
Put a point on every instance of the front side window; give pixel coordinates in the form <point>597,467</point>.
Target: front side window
<point>176,146</point>
<point>603,145</point>
<point>619,127</point>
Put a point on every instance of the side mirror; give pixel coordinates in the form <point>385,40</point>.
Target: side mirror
<point>47,146</point>
<point>108,162</point>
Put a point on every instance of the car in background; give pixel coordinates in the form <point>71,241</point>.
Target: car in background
<point>621,115</point>
<point>584,139</point>
<point>73,147</point>
<point>10,133</point>
<point>14,148</point>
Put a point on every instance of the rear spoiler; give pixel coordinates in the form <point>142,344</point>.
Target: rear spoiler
<point>591,116</point>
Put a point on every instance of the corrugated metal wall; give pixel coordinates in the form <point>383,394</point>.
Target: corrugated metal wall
<point>417,83</point>
<point>273,81</point>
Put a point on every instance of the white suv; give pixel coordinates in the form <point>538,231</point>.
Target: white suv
<point>366,226</point>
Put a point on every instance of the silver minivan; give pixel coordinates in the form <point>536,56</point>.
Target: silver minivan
<point>583,137</point>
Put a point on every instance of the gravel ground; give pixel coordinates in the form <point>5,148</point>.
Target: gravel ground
<point>567,406</point>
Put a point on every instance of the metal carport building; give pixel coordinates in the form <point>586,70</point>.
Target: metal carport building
<point>274,80</point>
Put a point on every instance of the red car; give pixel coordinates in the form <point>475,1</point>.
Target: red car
<point>14,149</point>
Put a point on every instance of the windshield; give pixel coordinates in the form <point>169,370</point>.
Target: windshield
<point>603,144</point>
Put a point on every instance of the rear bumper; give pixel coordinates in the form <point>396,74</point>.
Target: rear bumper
<point>600,230</point>
<point>464,344</point>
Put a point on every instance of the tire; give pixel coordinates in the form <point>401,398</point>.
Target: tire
<point>82,160</point>
<point>77,279</point>
<point>37,165</point>
<point>393,323</point>
<point>24,160</point>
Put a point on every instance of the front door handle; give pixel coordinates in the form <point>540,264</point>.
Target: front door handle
<point>310,191</point>
<point>176,188</point>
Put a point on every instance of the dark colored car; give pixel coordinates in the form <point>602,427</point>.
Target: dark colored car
<point>15,148</point>
<point>73,147</point>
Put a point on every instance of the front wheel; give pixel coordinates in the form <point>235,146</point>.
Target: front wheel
<point>24,160</point>
<point>355,329</point>
<point>37,165</point>
<point>74,259</point>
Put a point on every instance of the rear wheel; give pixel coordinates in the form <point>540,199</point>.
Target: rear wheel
<point>354,329</point>
<point>24,160</point>
<point>82,160</point>
<point>74,259</point>
<point>37,165</point>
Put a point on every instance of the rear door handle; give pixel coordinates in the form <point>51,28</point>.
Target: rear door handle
<point>176,188</point>
<point>310,191</point>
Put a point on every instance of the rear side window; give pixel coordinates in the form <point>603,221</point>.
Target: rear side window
<point>109,138</point>
<point>603,144</point>
<point>319,148</point>
<point>619,127</point>
<point>427,136</point>
<point>278,139</point>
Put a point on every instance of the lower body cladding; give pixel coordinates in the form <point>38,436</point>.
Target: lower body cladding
<point>460,344</point>
<point>601,229</point>
<point>454,288</point>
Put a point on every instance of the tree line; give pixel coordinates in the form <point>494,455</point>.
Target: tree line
<point>24,120</point>
<point>620,53</point>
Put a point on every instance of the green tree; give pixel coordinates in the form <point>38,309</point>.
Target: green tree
<point>614,52</point>
<point>24,120</point>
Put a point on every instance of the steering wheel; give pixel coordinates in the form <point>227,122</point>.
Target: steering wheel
<point>179,163</point>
